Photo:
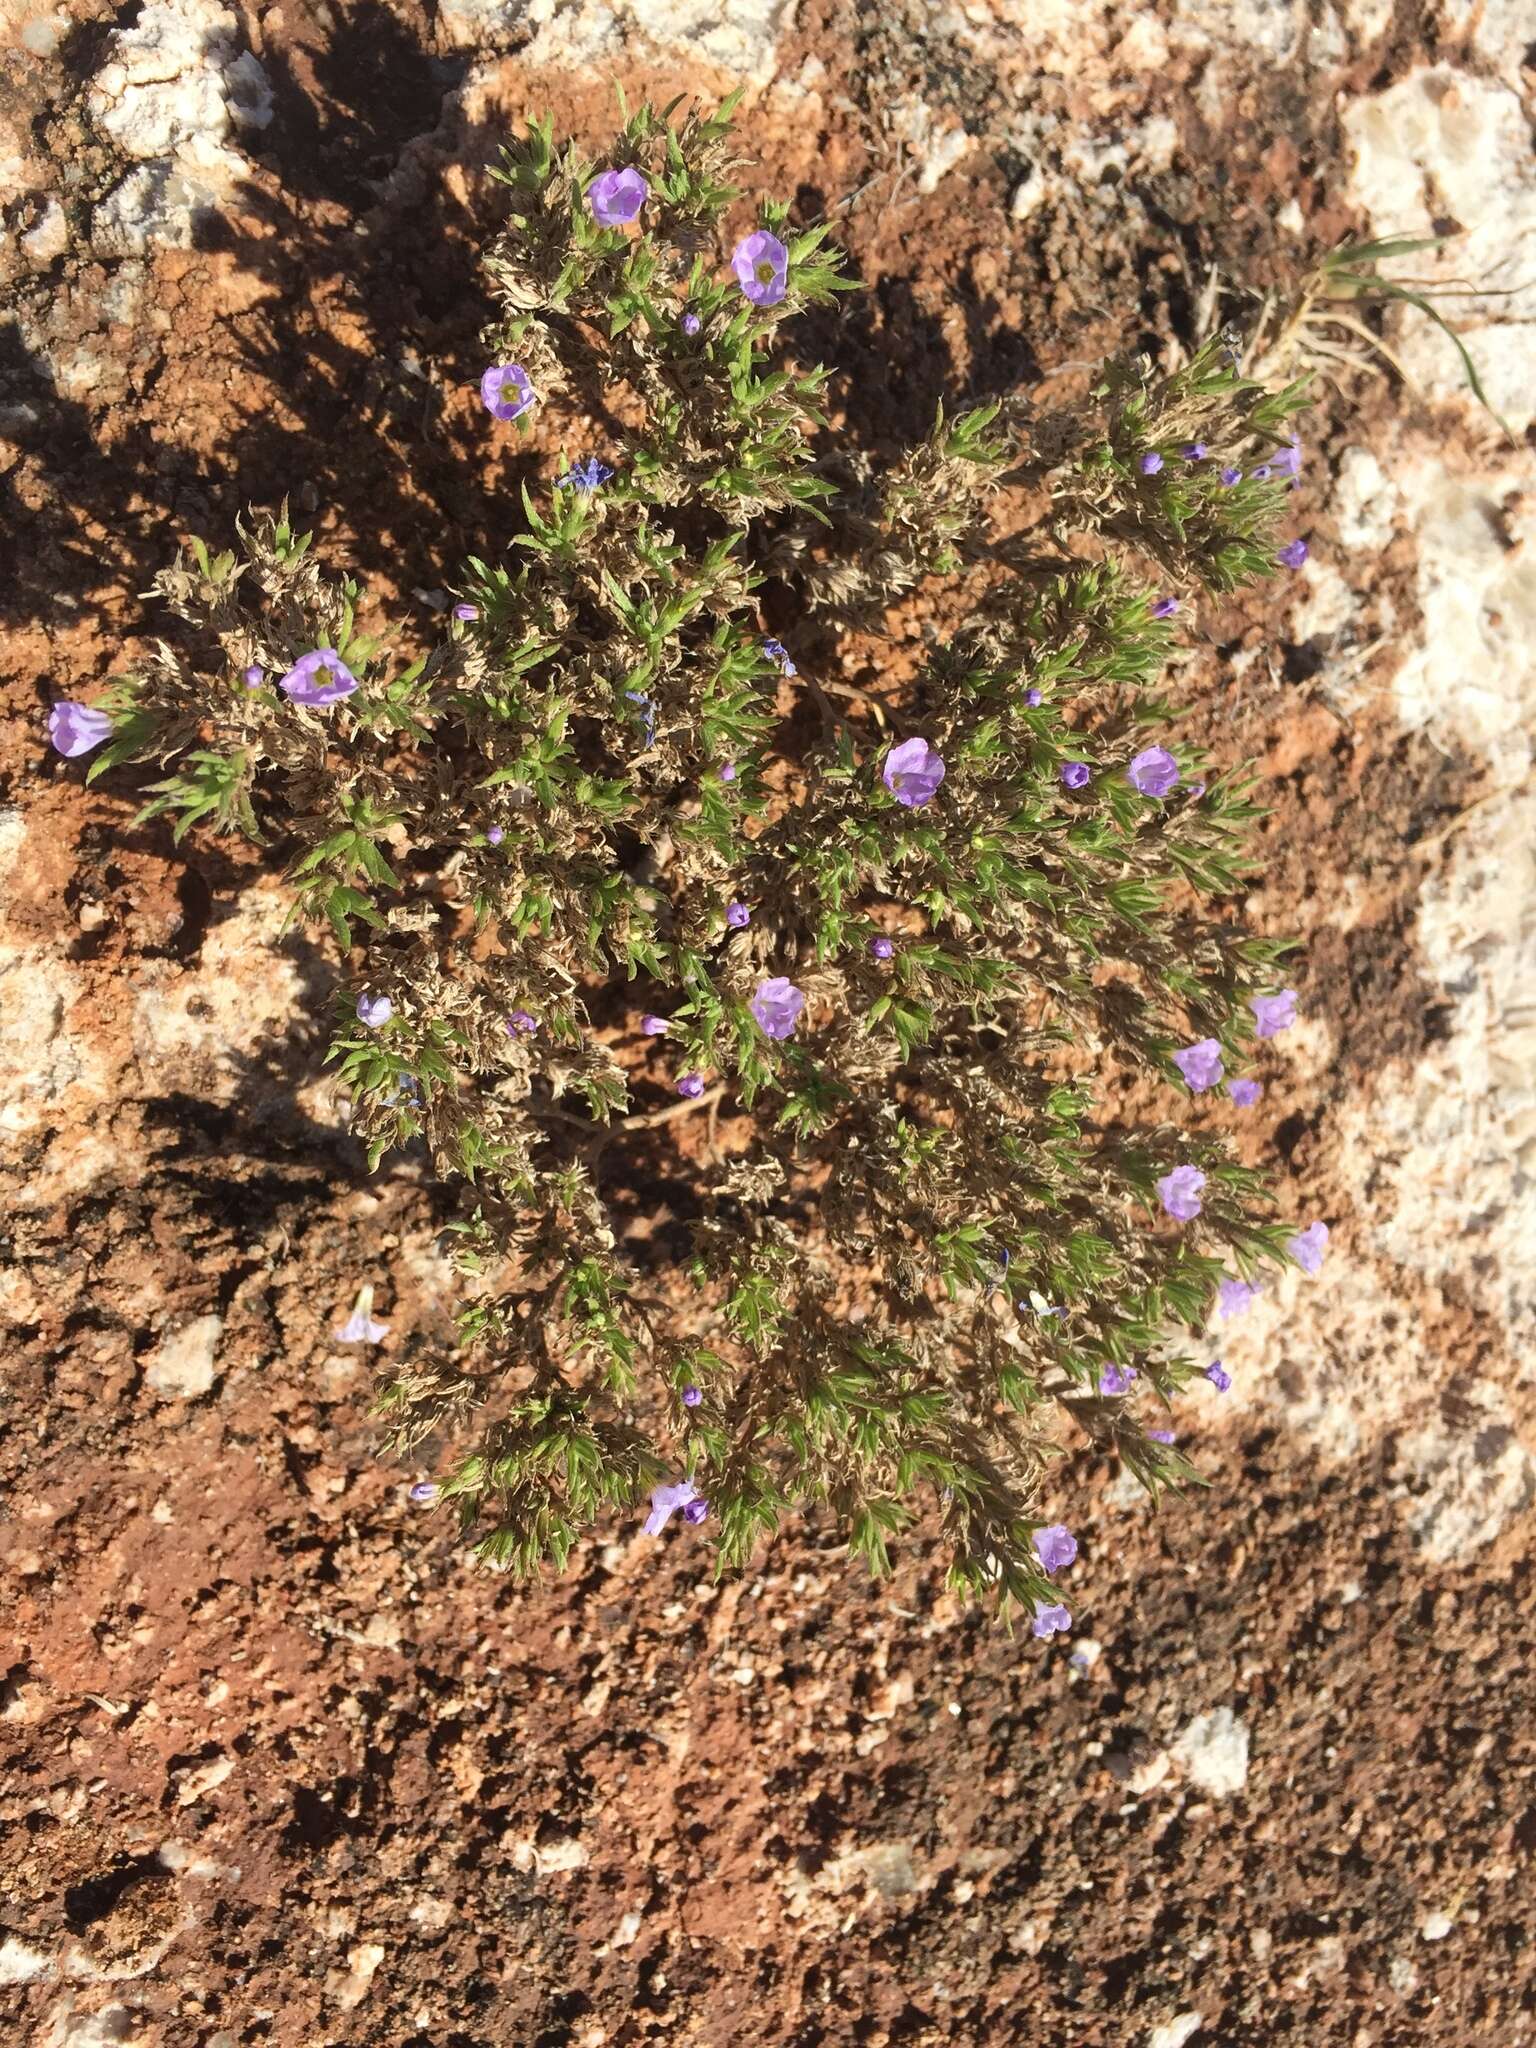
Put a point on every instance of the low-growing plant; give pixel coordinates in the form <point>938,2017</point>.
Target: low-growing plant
<point>852,961</point>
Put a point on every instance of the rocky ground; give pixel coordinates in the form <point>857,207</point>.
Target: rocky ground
<point>274,1766</point>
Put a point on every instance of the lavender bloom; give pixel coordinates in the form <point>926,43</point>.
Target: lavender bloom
<point>423,1492</point>
<point>1273,1014</point>
<point>665,1502</point>
<point>761,263</point>
<point>1153,771</point>
<point>1033,698</point>
<point>912,773</point>
<point>1051,1619</point>
<point>777,1006</point>
<point>737,916</point>
<point>882,948</point>
<point>495,836</point>
<point>1161,1436</point>
<point>1195,451</point>
<point>75,728</point>
<point>1055,1546</point>
<point>318,678</point>
<point>1218,1376</point>
<point>1293,554</point>
<point>502,379</point>
<point>1230,476</point>
<point>1197,789</point>
<point>254,676</point>
<point>585,476</point>
<point>1150,463</point>
<point>691,323</point>
<point>692,1397</point>
<point>1179,1193</point>
<point>1288,461</point>
<point>1261,474</point>
<point>374,1011</point>
<point>1200,1064</point>
<point>647,712</point>
<point>654,1026</point>
<point>361,1327</point>
<point>777,651</point>
<point>617,196</point>
<point>727,771</point>
<point>1235,1298</point>
<point>1075,774</point>
<point>465,612</point>
<point>691,1086</point>
<point>1309,1247</point>
<point>1165,608</point>
<point>1116,1379</point>
<point>521,1025</point>
<point>696,1510</point>
<point>1245,1093</point>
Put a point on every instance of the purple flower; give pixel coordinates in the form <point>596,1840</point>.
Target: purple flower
<point>727,771</point>
<point>691,1397</point>
<point>761,263</point>
<point>691,323</point>
<point>1292,555</point>
<point>1230,476</point>
<point>585,476</point>
<point>1245,1093</point>
<point>1179,1193</point>
<point>521,1025</point>
<point>374,1011</point>
<point>360,1327</point>
<point>647,713</point>
<point>737,916</point>
<point>1195,451</point>
<point>777,651</point>
<point>617,196</point>
<point>1075,774</point>
<point>881,948</point>
<point>465,612</point>
<point>1197,789</point>
<point>1235,1298</point>
<point>1309,1247</point>
<point>1165,608</point>
<point>1153,771</point>
<point>690,1086</point>
<point>1218,1376</point>
<point>1033,698</point>
<point>1288,461</point>
<point>1055,1546</point>
<point>912,773</point>
<point>495,386</point>
<point>654,1026</point>
<point>495,836</point>
<point>1200,1064</point>
<point>696,1510</point>
<point>1161,1436</point>
<point>1116,1379</point>
<point>423,1492</point>
<point>1273,1014</point>
<point>1261,474</point>
<point>777,1006</point>
<point>1150,463</point>
<point>318,678</point>
<point>1051,1619</point>
<point>254,676</point>
<point>666,1500</point>
<point>75,728</point>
